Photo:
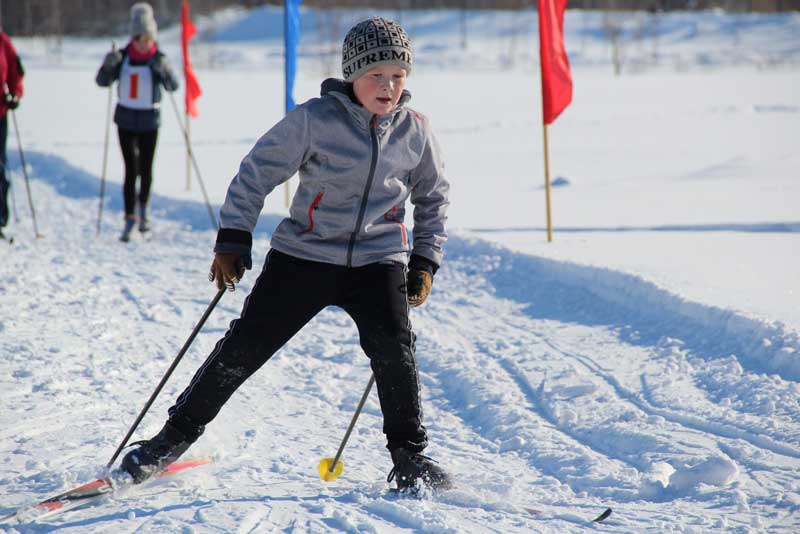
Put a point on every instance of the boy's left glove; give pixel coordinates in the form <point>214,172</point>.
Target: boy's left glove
<point>419,287</point>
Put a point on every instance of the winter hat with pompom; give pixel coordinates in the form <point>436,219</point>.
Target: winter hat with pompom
<point>374,42</point>
<point>142,21</point>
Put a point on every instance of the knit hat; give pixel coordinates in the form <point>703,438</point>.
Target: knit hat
<point>143,21</point>
<point>374,42</point>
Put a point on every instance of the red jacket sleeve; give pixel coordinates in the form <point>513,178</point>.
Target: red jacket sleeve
<point>13,76</point>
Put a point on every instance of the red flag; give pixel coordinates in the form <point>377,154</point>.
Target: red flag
<point>192,85</point>
<point>556,77</point>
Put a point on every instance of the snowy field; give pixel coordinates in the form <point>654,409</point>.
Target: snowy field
<point>648,359</point>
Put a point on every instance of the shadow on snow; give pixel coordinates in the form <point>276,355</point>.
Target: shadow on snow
<point>74,182</point>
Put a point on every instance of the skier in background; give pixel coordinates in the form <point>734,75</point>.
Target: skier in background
<point>141,69</point>
<point>11,74</point>
<point>360,154</point>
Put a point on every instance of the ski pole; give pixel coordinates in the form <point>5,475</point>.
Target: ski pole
<point>172,367</point>
<point>14,201</point>
<point>105,152</point>
<point>330,468</point>
<point>194,161</point>
<point>25,173</point>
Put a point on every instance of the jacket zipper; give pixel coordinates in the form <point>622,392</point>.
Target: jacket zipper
<point>373,163</point>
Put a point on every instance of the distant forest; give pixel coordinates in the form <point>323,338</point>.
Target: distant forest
<point>110,17</point>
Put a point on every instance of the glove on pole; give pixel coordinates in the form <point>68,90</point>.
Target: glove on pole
<point>330,468</point>
<point>194,161</point>
<point>167,375</point>
<point>25,173</point>
<point>105,153</point>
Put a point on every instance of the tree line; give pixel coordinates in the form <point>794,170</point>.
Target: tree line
<point>110,17</point>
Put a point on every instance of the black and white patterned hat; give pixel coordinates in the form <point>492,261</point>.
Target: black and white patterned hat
<point>373,42</point>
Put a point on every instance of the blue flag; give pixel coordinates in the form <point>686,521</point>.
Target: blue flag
<point>291,36</point>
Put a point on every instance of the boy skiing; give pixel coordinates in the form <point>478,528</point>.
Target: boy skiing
<point>360,154</point>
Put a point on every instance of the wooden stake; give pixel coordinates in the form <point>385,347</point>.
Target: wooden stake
<point>547,186</point>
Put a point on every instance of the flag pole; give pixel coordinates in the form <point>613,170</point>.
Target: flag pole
<point>547,184</point>
<point>191,87</point>
<point>188,157</point>
<point>291,36</point>
<point>556,79</point>
<point>286,83</point>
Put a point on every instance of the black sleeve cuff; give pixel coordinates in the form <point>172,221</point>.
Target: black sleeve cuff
<point>421,263</point>
<point>233,241</point>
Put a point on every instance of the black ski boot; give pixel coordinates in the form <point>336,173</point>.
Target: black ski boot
<point>144,222</point>
<point>130,223</point>
<point>412,469</point>
<point>154,455</point>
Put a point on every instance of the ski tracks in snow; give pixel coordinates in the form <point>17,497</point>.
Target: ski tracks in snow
<point>577,399</point>
<point>547,402</point>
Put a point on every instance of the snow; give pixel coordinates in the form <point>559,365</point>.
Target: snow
<point>647,359</point>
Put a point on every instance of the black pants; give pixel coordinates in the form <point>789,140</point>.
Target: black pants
<point>4,184</point>
<point>289,293</point>
<point>138,150</point>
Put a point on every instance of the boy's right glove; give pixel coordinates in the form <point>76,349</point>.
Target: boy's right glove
<point>227,270</point>
<point>419,287</point>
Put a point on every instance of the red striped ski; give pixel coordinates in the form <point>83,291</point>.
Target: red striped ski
<point>89,493</point>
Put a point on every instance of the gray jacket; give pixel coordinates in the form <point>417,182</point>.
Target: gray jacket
<point>356,171</point>
<point>138,120</point>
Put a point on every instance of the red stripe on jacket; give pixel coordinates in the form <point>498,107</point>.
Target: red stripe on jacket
<point>311,209</point>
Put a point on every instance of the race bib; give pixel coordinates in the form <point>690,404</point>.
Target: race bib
<point>136,86</point>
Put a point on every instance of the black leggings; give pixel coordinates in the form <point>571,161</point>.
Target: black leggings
<point>289,293</point>
<point>138,149</point>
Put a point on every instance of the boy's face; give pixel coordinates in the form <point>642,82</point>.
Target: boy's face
<point>379,89</point>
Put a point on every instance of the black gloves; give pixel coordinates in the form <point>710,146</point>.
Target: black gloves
<point>12,101</point>
<point>112,60</point>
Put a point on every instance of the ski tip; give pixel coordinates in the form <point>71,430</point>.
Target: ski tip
<point>603,516</point>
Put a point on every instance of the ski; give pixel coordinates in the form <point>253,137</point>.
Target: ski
<point>604,515</point>
<point>89,493</point>
<point>597,519</point>
<point>396,493</point>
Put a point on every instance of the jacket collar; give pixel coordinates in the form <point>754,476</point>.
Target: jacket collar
<point>343,92</point>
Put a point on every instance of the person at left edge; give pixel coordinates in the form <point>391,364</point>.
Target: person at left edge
<point>11,74</point>
<point>141,69</point>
